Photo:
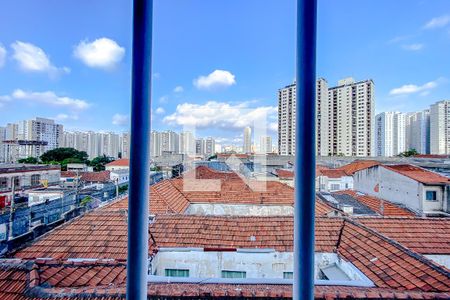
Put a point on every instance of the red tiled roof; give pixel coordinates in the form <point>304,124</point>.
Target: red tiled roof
<point>102,176</point>
<point>123,162</point>
<point>333,173</point>
<point>358,165</point>
<point>389,209</point>
<point>106,281</point>
<point>203,172</point>
<point>98,234</point>
<point>284,174</point>
<point>68,174</point>
<point>390,265</point>
<point>239,232</point>
<point>432,156</point>
<point>423,235</point>
<point>418,174</point>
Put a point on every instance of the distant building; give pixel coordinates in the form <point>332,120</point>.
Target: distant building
<point>440,127</point>
<point>265,144</point>
<point>345,118</point>
<point>390,131</point>
<point>210,146</point>
<point>247,146</point>
<point>187,143</point>
<point>418,131</point>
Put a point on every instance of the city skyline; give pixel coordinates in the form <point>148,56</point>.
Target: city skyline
<point>59,82</point>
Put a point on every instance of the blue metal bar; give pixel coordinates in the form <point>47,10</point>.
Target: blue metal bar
<point>305,159</point>
<point>138,197</point>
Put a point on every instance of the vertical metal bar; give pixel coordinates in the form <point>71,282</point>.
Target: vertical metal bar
<point>138,198</point>
<point>305,159</point>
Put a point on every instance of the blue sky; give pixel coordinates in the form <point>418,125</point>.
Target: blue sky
<point>71,60</point>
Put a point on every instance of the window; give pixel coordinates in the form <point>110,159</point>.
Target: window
<point>177,273</point>
<point>288,275</point>
<point>335,186</point>
<point>35,180</point>
<point>431,196</point>
<point>234,274</point>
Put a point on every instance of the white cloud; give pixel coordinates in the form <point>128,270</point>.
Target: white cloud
<point>438,22</point>
<point>160,110</point>
<point>50,98</point>
<point>2,55</point>
<point>178,89</point>
<point>31,58</point>
<point>412,88</point>
<point>217,79</point>
<point>413,47</point>
<point>121,120</point>
<point>220,115</point>
<point>102,53</point>
<point>65,117</point>
<point>4,99</point>
<point>163,99</point>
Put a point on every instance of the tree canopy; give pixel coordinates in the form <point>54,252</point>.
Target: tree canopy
<point>66,155</point>
<point>410,152</point>
<point>99,162</point>
<point>28,160</point>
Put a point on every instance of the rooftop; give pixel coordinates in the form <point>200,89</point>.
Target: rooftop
<point>358,165</point>
<point>419,174</point>
<point>122,162</point>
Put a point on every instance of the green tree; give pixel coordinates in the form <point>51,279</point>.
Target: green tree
<point>99,162</point>
<point>28,160</point>
<point>410,152</point>
<point>61,154</point>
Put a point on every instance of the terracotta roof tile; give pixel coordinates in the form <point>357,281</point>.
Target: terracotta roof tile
<point>284,174</point>
<point>358,165</point>
<point>333,173</point>
<point>102,176</point>
<point>389,209</point>
<point>418,174</point>
<point>123,162</point>
<point>423,235</point>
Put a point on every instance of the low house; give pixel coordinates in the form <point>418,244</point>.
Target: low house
<point>119,164</point>
<point>332,180</point>
<point>420,190</point>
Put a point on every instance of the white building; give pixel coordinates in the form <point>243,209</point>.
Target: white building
<point>247,146</point>
<point>420,190</point>
<point>39,130</point>
<point>170,142</point>
<point>200,147</point>
<point>265,144</point>
<point>125,145</point>
<point>210,146</point>
<point>390,133</point>
<point>344,123</point>
<point>440,127</point>
<point>187,143</point>
<point>333,180</point>
<point>155,144</point>
<point>418,131</point>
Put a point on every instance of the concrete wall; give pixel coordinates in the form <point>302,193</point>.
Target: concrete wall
<point>326,184</point>
<point>257,263</point>
<point>239,210</point>
<point>394,187</point>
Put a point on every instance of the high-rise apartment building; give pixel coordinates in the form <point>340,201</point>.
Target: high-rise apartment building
<point>200,147</point>
<point>390,133</point>
<point>210,146</point>
<point>155,144</point>
<point>125,145</point>
<point>187,143</point>
<point>170,142</point>
<point>39,130</point>
<point>286,120</point>
<point>418,131</point>
<point>440,127</point>
<point>247,146</point>
<point>344,123</point>
<point>265,144</point>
